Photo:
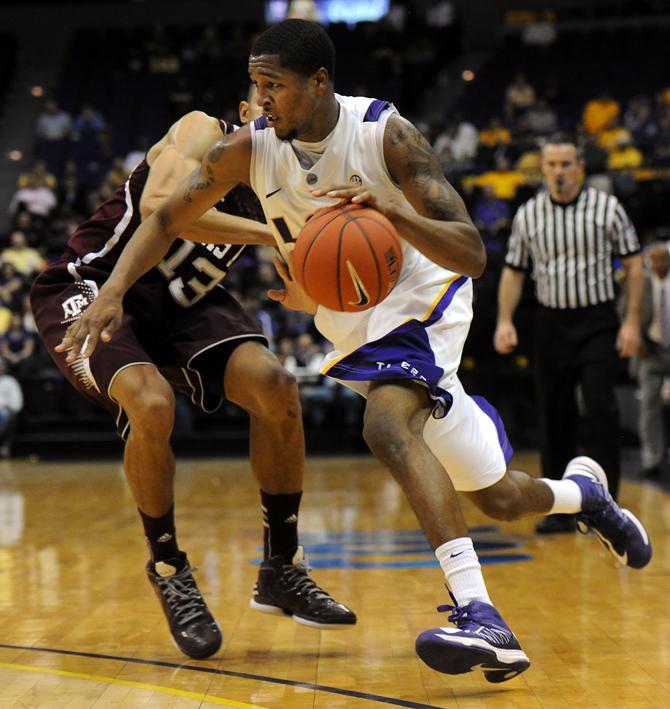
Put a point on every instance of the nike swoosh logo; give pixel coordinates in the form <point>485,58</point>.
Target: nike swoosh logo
<point>269,194</point>
<point>361,292</point>
<point>451,556</point>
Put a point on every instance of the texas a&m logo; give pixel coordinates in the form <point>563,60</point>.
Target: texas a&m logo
<point>77,303</point>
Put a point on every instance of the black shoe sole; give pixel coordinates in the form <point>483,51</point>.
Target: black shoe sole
<point>464,659</point>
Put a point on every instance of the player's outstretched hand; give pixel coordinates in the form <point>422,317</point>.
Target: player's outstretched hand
<point>505,338</point>
<point>293,295</point>
<point>102,317</point>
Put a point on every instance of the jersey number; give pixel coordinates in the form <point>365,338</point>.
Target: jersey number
<point>197,287</point>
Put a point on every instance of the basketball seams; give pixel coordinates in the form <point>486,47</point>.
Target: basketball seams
<point>313,225</point>
<point>332,285</point>
<point>373,253</point>
<point>339,264</point>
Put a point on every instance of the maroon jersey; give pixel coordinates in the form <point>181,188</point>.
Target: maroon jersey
<point>190,270</point>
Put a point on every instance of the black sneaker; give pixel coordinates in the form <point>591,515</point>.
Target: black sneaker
<point>287,589</point>
<point>193,627</point>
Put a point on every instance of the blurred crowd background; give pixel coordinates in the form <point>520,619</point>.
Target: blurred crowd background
<point>600,70</point>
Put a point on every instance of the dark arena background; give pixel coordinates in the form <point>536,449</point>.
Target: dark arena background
<point>86,88</point>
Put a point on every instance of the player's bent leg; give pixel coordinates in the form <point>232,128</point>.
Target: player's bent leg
<point>256,381</point>
<point>148,401</point>
<point>515,495</point>
<point>395,417</point>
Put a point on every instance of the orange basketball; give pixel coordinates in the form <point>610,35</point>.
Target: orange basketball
<point>348,258</point>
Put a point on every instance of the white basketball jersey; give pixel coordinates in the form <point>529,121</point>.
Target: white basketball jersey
<point>354,154</point>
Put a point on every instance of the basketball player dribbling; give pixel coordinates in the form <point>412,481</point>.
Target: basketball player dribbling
<point>311,147</point>
<point>182,331</point>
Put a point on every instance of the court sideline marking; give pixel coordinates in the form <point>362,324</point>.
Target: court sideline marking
<point>212,670</point>
<point>128,683</point>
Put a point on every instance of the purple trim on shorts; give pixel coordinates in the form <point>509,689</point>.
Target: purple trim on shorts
<point>403,353</point>
<point>375,110</point>
<point>493,414</point>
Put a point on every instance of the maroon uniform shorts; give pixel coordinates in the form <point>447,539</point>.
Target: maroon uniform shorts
<point>189,346</point>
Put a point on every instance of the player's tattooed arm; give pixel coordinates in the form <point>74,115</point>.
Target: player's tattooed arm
<point>413,164</point>
<point>202,178</point>
<point>440,226</point>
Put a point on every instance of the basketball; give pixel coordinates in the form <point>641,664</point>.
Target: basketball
<point>348,258</point>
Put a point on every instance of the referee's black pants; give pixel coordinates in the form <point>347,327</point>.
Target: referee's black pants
<point>577,346</point>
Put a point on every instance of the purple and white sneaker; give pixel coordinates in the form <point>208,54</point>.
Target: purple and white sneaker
<point>619,529</point>
<point>480,640</point>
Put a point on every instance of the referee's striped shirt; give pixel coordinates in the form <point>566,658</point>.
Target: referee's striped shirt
<point>570,246</point>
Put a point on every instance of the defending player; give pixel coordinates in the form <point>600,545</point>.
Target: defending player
<point>419,421</point>
<point>182,331</point>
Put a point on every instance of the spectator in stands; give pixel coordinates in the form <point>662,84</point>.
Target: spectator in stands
<point>88,123</point>
<point>491,214</point>
<point>461,137</point>
<point>71,191</point>
<point>529,165</point>
<point>653,360</point>
<point>503,180</point>
<point>12,287</point>
<point>609,138</point>
<point>53,134</point>
<point>25,223</point>
<point>40,170</point>
<point>316,394</point>
<point>519,97</point>
<point>117,174</point>
<point>494,134</point>
<point>29,324</point>
<point>540,119</point>
<point>599,113</point>
<point>11,403</point>
<point>35,198</point>
<point>625,155</point>
<point>639,119</point>
<point>17,346</point>
<point>661,155</point>
<point>26,260</point>
<point>54,124</point>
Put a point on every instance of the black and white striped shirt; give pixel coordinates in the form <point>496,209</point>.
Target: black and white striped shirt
<point>571,246</point>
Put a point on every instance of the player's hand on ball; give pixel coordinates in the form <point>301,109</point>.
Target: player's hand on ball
<point>102,317</point>
<point>292,296</point>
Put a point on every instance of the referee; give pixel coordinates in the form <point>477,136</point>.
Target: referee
<point>569,233</point>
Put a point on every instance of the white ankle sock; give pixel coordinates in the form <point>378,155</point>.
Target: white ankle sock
<point>567,496</point>
<point>460,564</point>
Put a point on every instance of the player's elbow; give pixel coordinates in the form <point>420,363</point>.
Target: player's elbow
<point>479,261</point>
<point>476,260</point>
<point>166,226</point>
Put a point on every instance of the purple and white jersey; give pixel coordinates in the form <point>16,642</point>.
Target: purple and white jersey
<point>354,152</point>
<point>189,269</point>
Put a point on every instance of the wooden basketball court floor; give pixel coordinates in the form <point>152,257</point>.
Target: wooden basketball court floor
<point>80,626</point>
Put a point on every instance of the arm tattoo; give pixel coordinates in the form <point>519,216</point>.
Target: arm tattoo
<point>199,182</point>
<point>438,197</point>
<point>196,182</point>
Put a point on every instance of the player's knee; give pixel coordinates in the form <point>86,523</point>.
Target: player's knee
<point>271,392</point>
<point>386,437</point>
<point>152,410</point>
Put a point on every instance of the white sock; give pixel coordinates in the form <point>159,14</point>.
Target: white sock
<point>567,496</point>
<point>460,564</point>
